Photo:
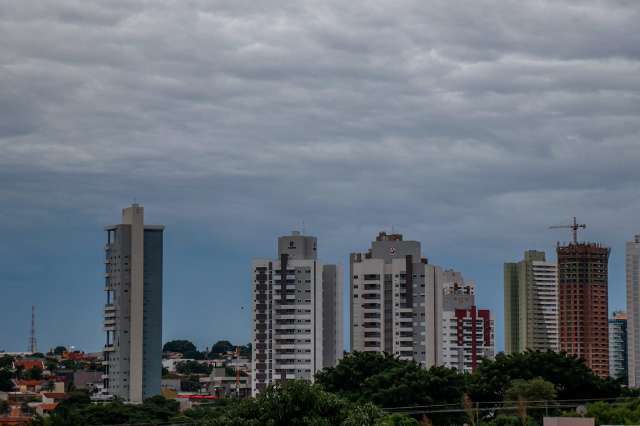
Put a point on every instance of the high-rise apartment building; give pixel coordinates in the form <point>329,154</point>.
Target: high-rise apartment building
<point>531,304</point>
<point>618,346</point>
<point>632,262</point>
<point>133,312</point>
<point>583,303</point>
<point>396,301</point>
<point>297,313</point>
<point>402,305</point>
<point>467,333</point>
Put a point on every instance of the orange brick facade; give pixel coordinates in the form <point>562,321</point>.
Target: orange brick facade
<point>584,304</point>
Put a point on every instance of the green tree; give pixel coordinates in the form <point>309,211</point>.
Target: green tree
<point>245,350</point>
<point>6,362</point>
<point>296,403</point>
<point>59,350</point>
<point>193,367</point>
<point>75,400</point>
<point>527,395</point>
<point>570,376</point>
<point>180,346</point>
<point>348,376</point>
<point>70,364</point>
<point>190,384</point>
<point>221,347</point>
<point>34,373</point>
<point>51,364</point>
<point>616,413</point>
<point>78,411</point>
<point>388,382</point>
<point>6,382</point>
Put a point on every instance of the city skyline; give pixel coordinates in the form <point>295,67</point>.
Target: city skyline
<point>497,311</point>
<point>469,128</point>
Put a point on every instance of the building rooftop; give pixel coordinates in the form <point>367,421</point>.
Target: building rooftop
<point>28,364</point>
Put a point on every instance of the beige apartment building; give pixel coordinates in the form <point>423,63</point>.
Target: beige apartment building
<point>531,304</point>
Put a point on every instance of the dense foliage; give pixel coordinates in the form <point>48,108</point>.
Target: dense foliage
<point>379,389</point>
<point>619,413</point>
<point>78,411</point>
<point>293,403</point>
<point>59,350</point>
<point>531,398</point>
<point>193,367</point>
<point>185,347</point>
<point>570,376</point>
<point>6,384</point>
<point>388,382</point>
<point>448,397</point>
<point>296,403</point>
<point>6,362</point>
<point>34,373</point>
<point>189,350</point>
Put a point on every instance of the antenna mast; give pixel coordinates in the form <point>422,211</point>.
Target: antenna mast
<point>33,345</point>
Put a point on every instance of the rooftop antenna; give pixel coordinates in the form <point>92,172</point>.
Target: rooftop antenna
<point>303,233</point>
<point>574,228</point>
<point>33,346</point>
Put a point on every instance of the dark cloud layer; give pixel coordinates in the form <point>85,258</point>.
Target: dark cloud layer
<point>468,125</point>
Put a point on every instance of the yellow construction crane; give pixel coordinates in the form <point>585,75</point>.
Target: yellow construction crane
<point>574,227</point>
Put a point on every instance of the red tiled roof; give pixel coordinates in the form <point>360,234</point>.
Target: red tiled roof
<point>48,407</point>
<point>28,364</point>
<point>55,395</point>
<point>22,420</point>
<point>197,396</point>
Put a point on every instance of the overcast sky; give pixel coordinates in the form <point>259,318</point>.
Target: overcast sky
<point>470,126</point>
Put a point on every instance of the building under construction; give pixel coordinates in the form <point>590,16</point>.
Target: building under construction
<point>583,303</point>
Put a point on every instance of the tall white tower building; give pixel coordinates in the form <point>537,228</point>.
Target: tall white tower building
<point>297,314</point>
<point>633,309</point>
<point>133,312</point>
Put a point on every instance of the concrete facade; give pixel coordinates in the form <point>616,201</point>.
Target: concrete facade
<point>531,304</point>
<point>396,301</point>
<point>133,312</point>
<point>632,262</point>
<point>297,314</point>
<point>467,333</point>
<point>404,306</point>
